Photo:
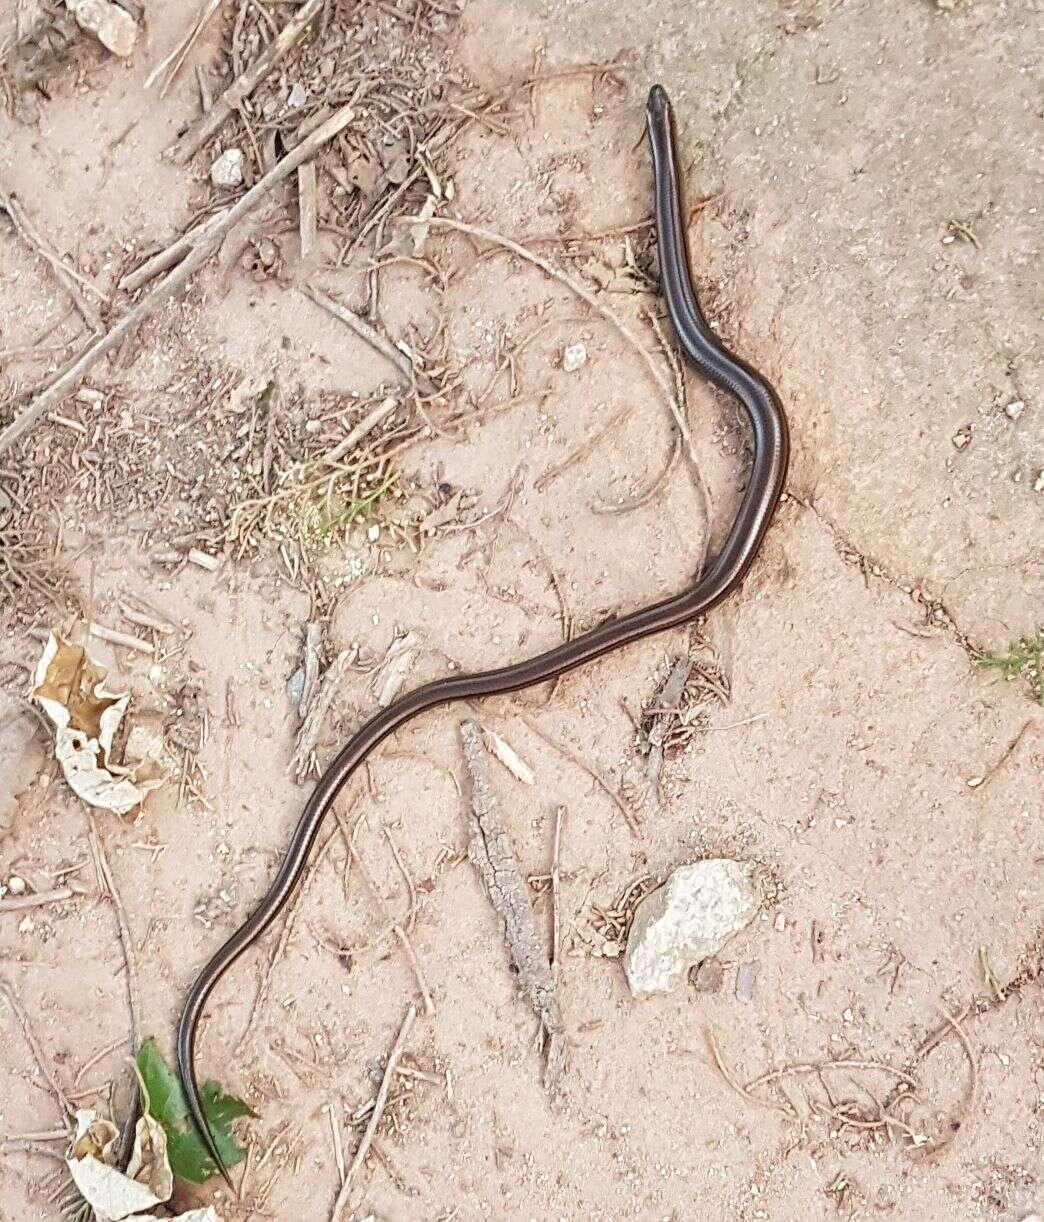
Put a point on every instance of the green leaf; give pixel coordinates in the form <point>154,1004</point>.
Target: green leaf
<point>189,1158</point>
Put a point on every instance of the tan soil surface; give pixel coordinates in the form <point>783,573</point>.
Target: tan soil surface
<point>871,241</point>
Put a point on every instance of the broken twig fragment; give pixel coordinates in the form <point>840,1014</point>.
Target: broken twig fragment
<point>491,853</point>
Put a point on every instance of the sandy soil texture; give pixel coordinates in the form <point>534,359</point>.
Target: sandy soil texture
<point>864,187</point>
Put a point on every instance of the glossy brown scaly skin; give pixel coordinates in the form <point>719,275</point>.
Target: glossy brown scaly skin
<point>725,573</point>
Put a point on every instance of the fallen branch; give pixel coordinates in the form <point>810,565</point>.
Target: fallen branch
<point>491,853</point>
<point>71,281</point>
<point>379,1105</point>
<point>244,85</point>
<point>175,280</point>
<point>373,337</point>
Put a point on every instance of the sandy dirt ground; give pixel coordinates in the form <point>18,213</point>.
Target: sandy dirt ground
<point>864,184</point>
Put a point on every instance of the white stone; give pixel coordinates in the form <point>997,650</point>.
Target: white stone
<point>113,26</point>
<point>1038,483</point>
<point>687,920</point>
<point>1014,409</point>
<point>227,171</point>
<point>574,357</point>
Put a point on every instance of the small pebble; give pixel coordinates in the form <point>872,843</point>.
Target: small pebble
<point>574,357</point>
<point>297,97</point>
<point>746,978</point>
<point>1014,409</point>
<point>962,437</point>
<point>1038,485</point>
<point>781,922</point>
<point>374,533</point>
<point>16,885</point>
<point>227,171</point>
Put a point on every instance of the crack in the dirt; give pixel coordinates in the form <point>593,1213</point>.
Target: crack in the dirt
<point>936,613</point>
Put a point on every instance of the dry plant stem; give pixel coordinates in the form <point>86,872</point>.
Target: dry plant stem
<point>284,940</point>
<point>127,944</point>
<point>817,1067</point>
<point>372,337</point>
<point>599,780</point>
<point>308,220</point>
<point>34,1046</point>
<point>174,280</point>
<point>379,1105</point>
<point>543,482</point>
<point>549,269</point>
<point>556,890</point>
<point>245,84</point>
<point>16,1145</point>
<point>177,57</point>
<point>738,1087</point>
<point>365,426</point>
<point>70,281</point>
<point>396,927</point>
<point>36,900</point>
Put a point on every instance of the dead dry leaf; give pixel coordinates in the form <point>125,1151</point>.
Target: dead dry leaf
<point>113,1195</point>
<point>70,688</point>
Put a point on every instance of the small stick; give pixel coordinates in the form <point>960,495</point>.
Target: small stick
<point>556,889</point>
<point>395,926</point>
<point>164,260</point>
<point>127,945</point>
<point>308,216</point>
<point>69,279</point>
<point>203,560</point>
<point>599,780</point>
<point>816,1067</point>
<point>144,620</point>
<point>365,426</point>
<point>244,85</point>
<point>175,279</point>
<point>16,1145</point>
<point>312,726</point>
<point>34,1046</point>
<point>177,57</point>
<point>114,637</point>
<point>372,337</point>
<point>19,902</point>
<point>378,1110</point>
<point>335,1129</point>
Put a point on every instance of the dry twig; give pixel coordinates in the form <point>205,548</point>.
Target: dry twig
<point>174,280</point>
<point>378,1110</point>
<point>244,85</point>
<point>371,336</point>
<point>34,1046</point>
<point>71,281</point>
